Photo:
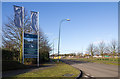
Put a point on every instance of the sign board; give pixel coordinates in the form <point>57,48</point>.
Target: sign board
<point>30,45</point>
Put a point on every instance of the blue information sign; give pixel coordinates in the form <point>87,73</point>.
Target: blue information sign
<point>30,45</point>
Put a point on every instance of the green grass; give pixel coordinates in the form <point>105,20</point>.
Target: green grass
<point>58,70</point>
<point>112,61</point>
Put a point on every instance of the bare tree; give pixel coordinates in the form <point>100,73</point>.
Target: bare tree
<point>79,54</point>
<point>91,49</point>
<point>101,48</point>
<point>11,35</point>
<point>113,47</point>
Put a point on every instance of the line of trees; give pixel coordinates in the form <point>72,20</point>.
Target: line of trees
<point>102,48</point>
<point>11,38</point>
<point>70,54</point>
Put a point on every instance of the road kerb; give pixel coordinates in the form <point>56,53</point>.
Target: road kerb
<point>80,75</point>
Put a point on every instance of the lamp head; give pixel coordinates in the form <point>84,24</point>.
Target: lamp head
<point>68,19</point>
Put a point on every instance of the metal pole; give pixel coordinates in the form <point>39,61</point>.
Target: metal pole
<point>53,49</point>
<point>21,45</point>
<point>59,38</point>
<point>23,34</point>
<point>38,42</point>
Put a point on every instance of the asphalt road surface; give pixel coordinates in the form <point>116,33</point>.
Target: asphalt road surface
<point>94,69</point>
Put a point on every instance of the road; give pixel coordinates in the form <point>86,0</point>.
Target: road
<point>94,69</point>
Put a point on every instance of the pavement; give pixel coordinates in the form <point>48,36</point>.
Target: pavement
<point>21,71</point>
<point>92,70</point>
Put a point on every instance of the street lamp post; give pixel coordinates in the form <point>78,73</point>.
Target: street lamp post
<point>53,49</point>
<point>53,45</point>
<point>59,35</point>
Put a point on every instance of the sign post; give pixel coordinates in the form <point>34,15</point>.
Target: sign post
<point>38,41</point>
<point>19,22</point>
<point>29,47</point>
<point>23,36</point>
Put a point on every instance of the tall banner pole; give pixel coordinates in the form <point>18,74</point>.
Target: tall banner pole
<point>23,36</point>
<point>18,21</point>
<point>38,40</point>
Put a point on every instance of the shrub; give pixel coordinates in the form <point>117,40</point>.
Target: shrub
<point>10,55</point>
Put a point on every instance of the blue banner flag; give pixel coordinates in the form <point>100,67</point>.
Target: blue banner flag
<point>18,16</point>
<point>34,20</point>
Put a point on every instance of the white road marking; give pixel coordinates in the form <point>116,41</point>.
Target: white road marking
<point>88,74</point>
<point>85,76</point>
<point>92,76</point>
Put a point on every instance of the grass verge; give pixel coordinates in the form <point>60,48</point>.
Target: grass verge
<point>112,61</point>
<point>58,70</point>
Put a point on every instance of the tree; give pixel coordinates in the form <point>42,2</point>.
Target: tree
<point>101,48</point>
<point>11,36</point>
<point>72,54</point>
<point>113,47</point>
<point>79,54</point>
<point>91,49</point>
